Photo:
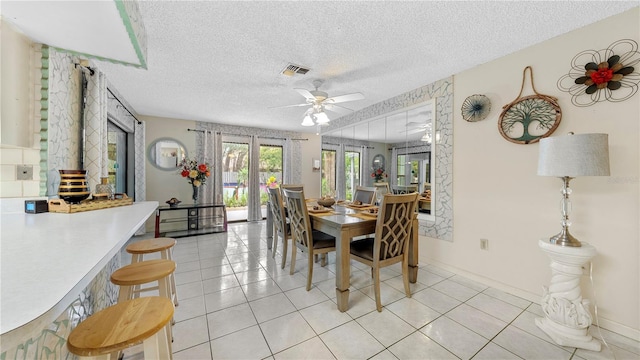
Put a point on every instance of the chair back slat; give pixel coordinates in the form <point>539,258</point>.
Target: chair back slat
<point>364,194</point>
<point>277,209</point>
<point>298,217</point>
<point>394,225</point>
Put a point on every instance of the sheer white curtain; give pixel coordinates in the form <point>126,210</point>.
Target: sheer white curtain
<point>255,212</point>
<point>95,120</point>
<point>217,169</point>
<point>341,181</point>
<point>287,159</point>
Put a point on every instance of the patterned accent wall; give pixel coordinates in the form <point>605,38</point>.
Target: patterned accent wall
<point>42,111</point>
<point>50,342</point>
<point>442,91</point>
<point>64,127</point>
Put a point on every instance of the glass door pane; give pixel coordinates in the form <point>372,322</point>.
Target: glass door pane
<point>117,158</point>
<point>328,173</point>
<point>352,172</point>
<point>270,167</point>
<point>235,175</point>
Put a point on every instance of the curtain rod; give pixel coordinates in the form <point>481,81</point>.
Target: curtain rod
<point>368,147</point>
<point>409,147</point>
<point>230,134</point>
<point>124,107</point>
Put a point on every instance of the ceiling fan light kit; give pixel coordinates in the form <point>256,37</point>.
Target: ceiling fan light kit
<point>319,101</point>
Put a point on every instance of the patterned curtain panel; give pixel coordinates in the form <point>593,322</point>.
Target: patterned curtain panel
<point>208,190</point>
<point>365,169</point>
<point>341,181</point>
<point>255,213</point>
<point>394,167</point>
<point>95,119</point>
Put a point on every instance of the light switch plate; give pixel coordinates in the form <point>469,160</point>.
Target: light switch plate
<point>24,172</point>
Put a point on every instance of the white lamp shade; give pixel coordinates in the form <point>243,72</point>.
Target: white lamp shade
<point>574,155</point>
<point>307,121</point>
<point>321,118</point>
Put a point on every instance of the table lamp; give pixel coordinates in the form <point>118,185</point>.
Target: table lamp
<point>567,157</point>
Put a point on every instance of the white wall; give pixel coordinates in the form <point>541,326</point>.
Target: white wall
<point>497,195</point>
<point>19,144</point>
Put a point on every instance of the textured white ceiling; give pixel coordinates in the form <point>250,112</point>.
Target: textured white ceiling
<point>220,61</point>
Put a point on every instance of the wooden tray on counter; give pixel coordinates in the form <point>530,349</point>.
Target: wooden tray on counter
<point>60,206</point>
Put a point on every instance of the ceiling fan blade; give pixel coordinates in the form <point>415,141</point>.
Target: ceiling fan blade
<point>337,108</point>
<point>344,98</point>
<point>306,93</point>
<point>287,106</point>
<point>413,131</point>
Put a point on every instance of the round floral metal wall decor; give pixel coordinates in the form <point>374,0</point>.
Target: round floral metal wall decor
<point>475,108</point>
<point>527,119</point>
<point>604,75</point>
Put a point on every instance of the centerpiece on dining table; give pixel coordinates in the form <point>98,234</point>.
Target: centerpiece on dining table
<point>196,174</point>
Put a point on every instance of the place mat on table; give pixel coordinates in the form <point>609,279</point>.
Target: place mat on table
<point>321,212</point>
<point>364,216</point>
<point>360,207</point>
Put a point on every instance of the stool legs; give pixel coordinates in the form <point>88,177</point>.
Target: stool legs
<point>165,255</point>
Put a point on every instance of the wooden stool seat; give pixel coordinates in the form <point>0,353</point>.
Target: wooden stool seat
<point>149,246</point>
<point>123,325</point>
<point>164,246</point>
<point>143,272</point>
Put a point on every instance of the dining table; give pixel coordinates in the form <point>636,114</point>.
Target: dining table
<point>344,222</point>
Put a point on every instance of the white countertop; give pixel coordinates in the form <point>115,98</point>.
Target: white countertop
<point>47,259</point>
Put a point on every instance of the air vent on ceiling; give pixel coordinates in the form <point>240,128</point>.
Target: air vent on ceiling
<point>293,69</point>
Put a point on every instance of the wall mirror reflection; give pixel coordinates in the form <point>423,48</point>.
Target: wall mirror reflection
<point>166,153</point>
<point>395,148</point>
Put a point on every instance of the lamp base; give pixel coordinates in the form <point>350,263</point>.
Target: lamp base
<point>564,238</point>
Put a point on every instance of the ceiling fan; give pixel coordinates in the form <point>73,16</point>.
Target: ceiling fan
<point>416,127</point>
<point>319,101</point>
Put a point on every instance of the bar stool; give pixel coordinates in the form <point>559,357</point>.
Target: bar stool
<point>164,246</point>
<point>123,325</point>
<point>144,272</point>
<point>130,276</point>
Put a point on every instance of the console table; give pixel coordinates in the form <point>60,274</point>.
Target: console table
<point>190,219</point>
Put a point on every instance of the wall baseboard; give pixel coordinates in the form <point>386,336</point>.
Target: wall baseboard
<point>607,324</point>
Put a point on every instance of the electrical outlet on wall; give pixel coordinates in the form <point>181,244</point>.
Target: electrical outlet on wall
<point>484,244</point>
<point>24,172</point>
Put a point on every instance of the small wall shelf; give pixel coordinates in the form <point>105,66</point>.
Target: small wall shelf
<point>187,220</point>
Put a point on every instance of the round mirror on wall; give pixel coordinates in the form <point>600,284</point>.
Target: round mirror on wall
<point>166,153</point>
<point>378,162</point>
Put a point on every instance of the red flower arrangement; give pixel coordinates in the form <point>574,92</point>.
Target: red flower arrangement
<point>379,174</point>
<point>195,173</point>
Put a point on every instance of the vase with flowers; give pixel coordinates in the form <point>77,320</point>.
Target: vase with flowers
<point>272,182</point>
<point>379,175</point>
<point>196,174</point>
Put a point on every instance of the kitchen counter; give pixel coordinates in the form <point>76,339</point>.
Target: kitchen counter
<point>47,259</point>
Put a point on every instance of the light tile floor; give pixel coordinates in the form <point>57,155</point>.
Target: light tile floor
<point>237,303</point>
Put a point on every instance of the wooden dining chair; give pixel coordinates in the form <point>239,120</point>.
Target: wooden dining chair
<point>311,241</point>
<point>391,242</point>
<point>364,194</point>
<point>295,187</point>
<point>282,228</point>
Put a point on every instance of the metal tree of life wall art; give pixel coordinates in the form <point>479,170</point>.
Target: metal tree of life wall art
<point>527,119</point>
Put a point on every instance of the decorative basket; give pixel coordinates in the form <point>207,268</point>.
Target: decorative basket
<point>60,206</point>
